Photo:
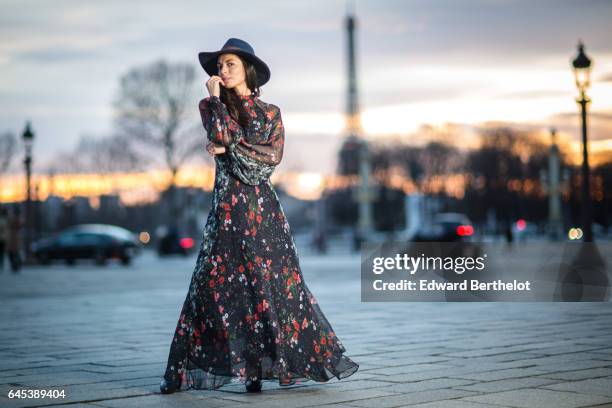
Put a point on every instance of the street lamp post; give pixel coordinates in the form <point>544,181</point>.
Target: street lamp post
<point>582,72</point>
<point>586,279</point>
<point>28,139</point>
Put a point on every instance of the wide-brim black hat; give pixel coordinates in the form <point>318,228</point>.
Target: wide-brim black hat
<point>208,60</point>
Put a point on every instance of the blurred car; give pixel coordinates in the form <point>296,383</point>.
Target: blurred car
<point>99,242</point>
<point>453,228</point>
<point>521,229</point>
<point>170,241</point>
<point>446,227</point>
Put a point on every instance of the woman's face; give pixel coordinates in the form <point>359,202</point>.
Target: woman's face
<point>231,70</point>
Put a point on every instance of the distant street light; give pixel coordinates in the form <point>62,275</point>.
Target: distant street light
<point>582,72</point>
<point>28,140</point>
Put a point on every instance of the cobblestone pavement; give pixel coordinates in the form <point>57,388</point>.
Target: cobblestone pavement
<point>102,334</point>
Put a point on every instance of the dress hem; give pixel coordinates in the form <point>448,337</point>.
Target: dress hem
<point>200,379</point>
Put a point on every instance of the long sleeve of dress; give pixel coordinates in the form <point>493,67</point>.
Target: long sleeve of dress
<point>216,120</point>
<point>254,163</point>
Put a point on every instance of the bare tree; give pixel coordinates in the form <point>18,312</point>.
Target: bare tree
<point>102,155</point>
<point>154,106</point>
<point>65,163</point>
<point>8,150</point>
<point>108,155</point>
<point>68,162</point>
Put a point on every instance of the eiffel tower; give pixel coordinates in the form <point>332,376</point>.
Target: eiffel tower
<point>353,157</point>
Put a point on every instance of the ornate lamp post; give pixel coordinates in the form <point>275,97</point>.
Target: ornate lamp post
<point>586,279</point>
<point>582,72</point>
<point>28,139</point>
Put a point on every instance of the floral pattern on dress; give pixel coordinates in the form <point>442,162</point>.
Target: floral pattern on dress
<point>247,305</point>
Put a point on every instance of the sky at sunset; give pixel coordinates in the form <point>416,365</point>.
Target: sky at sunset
<point>447,65</point>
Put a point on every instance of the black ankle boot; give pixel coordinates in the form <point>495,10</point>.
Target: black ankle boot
<point>254,385</point>
<point>168,387</point>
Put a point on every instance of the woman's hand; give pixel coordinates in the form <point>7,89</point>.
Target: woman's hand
<point>214,85</point>
<point>214,149</point>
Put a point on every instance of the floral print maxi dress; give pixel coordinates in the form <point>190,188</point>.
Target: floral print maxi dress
<point>248,306</point>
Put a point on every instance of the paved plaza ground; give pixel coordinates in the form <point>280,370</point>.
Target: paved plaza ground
<point>103,333</point>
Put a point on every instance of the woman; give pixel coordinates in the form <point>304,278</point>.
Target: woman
<point>3,235</point>
<point>13,244</point>
<point>248,314</point>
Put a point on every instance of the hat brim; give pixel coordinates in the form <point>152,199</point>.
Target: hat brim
<point>208,60</point>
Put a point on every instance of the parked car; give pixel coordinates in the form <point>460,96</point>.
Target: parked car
<point>453,229</point>
<point>99,242</point>
<point>446,227</point>
<point>171,241</point>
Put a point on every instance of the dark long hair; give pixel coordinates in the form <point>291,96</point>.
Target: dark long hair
<point>231,98</point>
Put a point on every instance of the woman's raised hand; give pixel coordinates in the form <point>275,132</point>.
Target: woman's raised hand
<point>214,85</point>
<point>214,149</point>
